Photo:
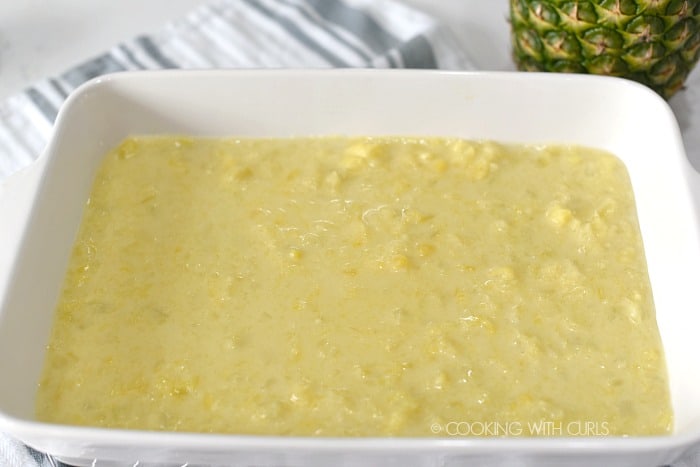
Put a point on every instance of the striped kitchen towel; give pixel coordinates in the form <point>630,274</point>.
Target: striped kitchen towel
<point>242,34</point>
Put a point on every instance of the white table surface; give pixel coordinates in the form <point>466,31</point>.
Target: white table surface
<point>40,38</point>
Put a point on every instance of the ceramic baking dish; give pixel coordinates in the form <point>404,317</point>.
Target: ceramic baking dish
<point>608,113</point>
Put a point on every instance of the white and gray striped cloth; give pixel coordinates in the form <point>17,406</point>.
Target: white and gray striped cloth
<point>241,34</point>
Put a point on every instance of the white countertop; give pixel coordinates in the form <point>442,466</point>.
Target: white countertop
<point>40,38</point>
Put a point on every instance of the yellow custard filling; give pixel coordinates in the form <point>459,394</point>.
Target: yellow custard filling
<point>358,287</point>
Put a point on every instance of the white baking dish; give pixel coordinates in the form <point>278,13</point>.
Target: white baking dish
<point>613,114</point>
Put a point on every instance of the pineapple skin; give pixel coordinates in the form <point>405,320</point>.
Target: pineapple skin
<point>654,42</point>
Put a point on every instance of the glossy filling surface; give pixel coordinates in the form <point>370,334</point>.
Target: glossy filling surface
<point>358,287</point>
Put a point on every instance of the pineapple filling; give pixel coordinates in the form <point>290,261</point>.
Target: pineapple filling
<point>358,287</point>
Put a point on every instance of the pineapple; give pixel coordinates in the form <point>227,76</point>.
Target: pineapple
<point>654,42</point>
